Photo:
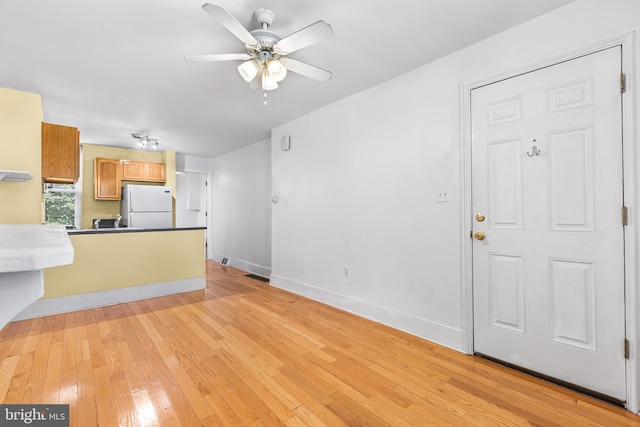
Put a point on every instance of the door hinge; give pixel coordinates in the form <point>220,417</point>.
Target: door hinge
<point>625,216</point>
<point>623,82</point>
<point>626,348</point>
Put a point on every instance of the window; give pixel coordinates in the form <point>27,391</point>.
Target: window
<point>62,204</point>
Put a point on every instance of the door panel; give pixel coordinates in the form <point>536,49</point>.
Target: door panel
<point>506,304</point>
<point>572,300</point>
<point>505,184</point>
<point>548,278</point>
<point>571,180</point>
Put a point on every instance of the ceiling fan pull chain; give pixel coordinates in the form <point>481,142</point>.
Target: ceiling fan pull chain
<point>265,98</point>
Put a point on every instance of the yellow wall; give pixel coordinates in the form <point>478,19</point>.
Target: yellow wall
<point>20,149</point>
<point>106,261</point>
<point>92,208</point>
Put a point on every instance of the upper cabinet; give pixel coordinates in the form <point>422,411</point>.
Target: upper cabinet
<point>156,172</point>
<point>133,170</point>
<point>60,154</point>
<point>106,179</point>
<point>108,174</point>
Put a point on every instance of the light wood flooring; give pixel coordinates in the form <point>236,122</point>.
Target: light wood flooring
<point>243,353</point>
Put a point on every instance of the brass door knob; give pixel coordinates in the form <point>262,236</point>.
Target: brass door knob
<point>479,235</point>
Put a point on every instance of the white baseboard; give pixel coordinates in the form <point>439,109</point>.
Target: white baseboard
<point>251,267</point>
<point>430,330</point>
<point>49,306</point>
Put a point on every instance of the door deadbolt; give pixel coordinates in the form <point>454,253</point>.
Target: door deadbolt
<point>479,217</point>
<point>479,235</point>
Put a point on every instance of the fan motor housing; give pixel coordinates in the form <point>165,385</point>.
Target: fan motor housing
<point>267,38</point>
<point>263,35</point>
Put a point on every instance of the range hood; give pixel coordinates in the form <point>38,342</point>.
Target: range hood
<point>14,175</point>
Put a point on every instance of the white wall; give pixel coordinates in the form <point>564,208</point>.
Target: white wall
<point>358,187</point>
<point>241,208</point>
<point>193,164</point>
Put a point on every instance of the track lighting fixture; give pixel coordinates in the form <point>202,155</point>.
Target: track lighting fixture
<point>144,142</point>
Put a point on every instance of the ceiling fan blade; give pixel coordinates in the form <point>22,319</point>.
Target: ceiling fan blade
<point>230,23</point>
<point>306,70</point>
<point>218,57</point>
<point>303,38</point>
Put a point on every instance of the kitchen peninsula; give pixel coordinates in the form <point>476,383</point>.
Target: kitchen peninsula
<point>118,265</point>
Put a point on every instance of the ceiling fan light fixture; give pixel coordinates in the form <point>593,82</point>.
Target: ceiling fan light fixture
<point>268,82</point>
<point>249,69</point>
<point>276,69</point>
<point>264,63</point>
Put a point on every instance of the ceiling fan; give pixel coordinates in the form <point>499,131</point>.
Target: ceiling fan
<point>265,62</point>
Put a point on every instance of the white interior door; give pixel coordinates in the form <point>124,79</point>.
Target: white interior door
<point>191,199</point>
<point>548,278</point>
<point>192,203</point>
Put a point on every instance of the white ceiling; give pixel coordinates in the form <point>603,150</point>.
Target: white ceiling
<point>116,67</point>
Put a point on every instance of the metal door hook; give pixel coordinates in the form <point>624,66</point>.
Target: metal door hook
<point>534,151</point>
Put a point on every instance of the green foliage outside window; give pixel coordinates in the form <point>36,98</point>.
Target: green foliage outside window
<point>59,207</point>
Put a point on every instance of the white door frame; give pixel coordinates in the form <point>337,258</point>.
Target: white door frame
<point>630,161</point>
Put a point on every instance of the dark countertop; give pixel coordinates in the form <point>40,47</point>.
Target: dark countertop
<point>129,230</point>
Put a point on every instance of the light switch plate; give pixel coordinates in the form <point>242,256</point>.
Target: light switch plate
<point>442,194</point>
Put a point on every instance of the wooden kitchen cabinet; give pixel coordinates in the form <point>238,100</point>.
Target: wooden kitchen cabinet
<point>133,170</point>
<point>60,154</point>
<point>106,179</point>
<point>155,172</point>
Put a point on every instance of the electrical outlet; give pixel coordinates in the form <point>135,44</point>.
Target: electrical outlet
<point>442,194</point>
<point>346,271</point>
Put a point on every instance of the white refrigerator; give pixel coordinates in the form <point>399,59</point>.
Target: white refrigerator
<point>146,206</point>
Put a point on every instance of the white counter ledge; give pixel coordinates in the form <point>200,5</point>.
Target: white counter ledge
<point>25,247</point>
<point>25,250</point>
